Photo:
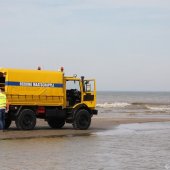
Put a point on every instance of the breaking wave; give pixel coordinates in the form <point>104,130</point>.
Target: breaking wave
<point>147,106</point>
<point>160,108</point>
<point>113,105</point>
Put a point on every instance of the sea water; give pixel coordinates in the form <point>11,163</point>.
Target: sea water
<point>116,104</point>
<point>135,146</point>
<point>125,147</point>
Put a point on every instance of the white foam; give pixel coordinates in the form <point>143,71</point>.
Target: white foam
<point>160,108</point>
<point>136,128</point>
<point>113,105</point>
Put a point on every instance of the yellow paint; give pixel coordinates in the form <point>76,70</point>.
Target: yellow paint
<point>28,91</point>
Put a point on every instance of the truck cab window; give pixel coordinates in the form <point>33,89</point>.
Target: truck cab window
<point>89,86</point>
<point>73,92</point>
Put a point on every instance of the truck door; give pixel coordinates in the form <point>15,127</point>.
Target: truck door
<point>89,93</point>
<point>73,92</point>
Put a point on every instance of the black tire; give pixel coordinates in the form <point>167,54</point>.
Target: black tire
<point>56,123</point>
<point>26,120</point>
<point>82,120</point>
<point>7,123</point>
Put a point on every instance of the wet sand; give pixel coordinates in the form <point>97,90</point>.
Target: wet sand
<point>98,124</point>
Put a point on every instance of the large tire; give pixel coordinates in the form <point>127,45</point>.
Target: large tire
<point>82,120</point>
<point>26,120</point>
<point>7,123</point>
<point>56,123</point>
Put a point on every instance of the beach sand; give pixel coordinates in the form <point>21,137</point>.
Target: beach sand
<point>98,124</point>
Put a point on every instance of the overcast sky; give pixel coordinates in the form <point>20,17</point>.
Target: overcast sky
<point>124,44</point>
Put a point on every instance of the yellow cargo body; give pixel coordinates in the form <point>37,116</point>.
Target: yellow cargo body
<point>34,87</point>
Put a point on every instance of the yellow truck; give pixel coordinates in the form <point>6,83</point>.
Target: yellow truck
<point>48,95</point>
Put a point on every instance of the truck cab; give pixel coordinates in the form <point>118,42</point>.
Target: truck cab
<point>80,91</point>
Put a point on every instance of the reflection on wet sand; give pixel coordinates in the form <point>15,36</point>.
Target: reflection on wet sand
<point>98,124</point>
<point>131,146</point>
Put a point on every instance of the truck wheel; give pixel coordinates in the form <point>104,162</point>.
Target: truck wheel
<point>56,123</point>
<point>82,120</point>
<point>7,123</point>
<point>26,120</point>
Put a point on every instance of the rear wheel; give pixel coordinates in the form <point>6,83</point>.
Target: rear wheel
<point>82,120</point>
<point>56,123</point>
<point>26,120</point>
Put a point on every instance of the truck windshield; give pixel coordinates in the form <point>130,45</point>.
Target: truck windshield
<point>73,93</point>
<point>73,85</point>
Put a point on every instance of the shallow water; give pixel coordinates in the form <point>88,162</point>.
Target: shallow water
<point>125,147</point>
<point>133,103</point>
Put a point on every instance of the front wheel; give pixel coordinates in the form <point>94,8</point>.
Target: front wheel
<point>26,120</point>
<point>82,120</point>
